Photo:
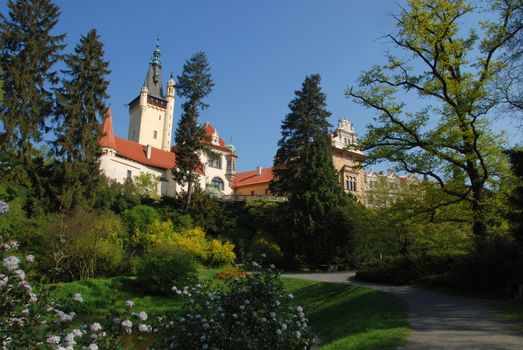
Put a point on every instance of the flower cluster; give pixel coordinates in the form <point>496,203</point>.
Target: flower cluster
<point>251,312</point>
<point>29,320</point>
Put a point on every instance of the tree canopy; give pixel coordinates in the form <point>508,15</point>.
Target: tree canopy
<point>452,72</point>
<point>194,84</point>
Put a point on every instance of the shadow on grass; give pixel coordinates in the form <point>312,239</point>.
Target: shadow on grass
<point>352,317</point>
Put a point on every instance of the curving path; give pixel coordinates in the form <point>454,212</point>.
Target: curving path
<point>441,321</point>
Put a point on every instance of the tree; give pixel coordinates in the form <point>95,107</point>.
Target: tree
<point>194,84</point>
<point>510,82</point>
<point>80,104</point>
<point>28,52</point>
<point>453,72</point>
<point>304,172</point>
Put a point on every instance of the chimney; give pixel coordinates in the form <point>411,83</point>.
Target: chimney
<point>258,170</point>
<point>148,151</point>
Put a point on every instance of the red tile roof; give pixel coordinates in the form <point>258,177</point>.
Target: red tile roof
<point>250,177</point>
<point>134,151</point>
<point>209,131</point>
<point>107,139</point>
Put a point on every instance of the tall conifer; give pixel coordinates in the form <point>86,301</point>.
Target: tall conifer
<point>316,224</point>
<point>28,52</point>
<point>80,105</point>
<point>194,85</point>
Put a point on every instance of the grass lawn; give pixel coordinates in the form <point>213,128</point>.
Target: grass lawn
<point>342,316</point>
<point>351,317</point>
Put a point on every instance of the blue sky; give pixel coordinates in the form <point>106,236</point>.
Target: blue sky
<point>259,51</point>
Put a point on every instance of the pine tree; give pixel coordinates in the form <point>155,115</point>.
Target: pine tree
<point>316,225</point>
<point>194,85</point>
<point>80,104</point>
<point>28,52</point>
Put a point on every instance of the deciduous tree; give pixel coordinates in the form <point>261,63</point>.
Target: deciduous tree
<point>451,71</point>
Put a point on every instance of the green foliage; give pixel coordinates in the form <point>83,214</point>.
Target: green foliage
<point>115,196</point>
<point>28,54</point>
<point>220,253</point>
<point>139,218</point>
<point>253,313</point>
<point>452,71</point>
<point>516,198</point>
<point>211,252</point>
<point>316,229</point>
<point>146,185</point>
<point>194,84</point>
<point>164,267</point>
<point>80,104</point>
<point>84,244</point>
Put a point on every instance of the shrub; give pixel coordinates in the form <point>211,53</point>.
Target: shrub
<point>230,272</point>
<point>139,218</point>
<point>251,313</point>
<point>163,267</point>
<point>220,253</point>
<point>85,244</point>
<point>265,250</point>
<point>395,270</point>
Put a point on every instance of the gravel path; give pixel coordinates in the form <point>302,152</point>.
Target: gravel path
<point>441,321</point>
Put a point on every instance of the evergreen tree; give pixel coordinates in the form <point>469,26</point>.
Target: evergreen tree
<point>194,85</point>
<point>80,104</point>
<point>316,223</point>
<point>28,52</point>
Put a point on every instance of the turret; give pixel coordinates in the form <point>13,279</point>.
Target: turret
<point>167,122</point>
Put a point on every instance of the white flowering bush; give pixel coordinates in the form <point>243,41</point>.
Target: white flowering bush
<point>29,320</point>
<point>253,312</point>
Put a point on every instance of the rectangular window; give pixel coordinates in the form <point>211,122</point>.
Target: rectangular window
<point>214,161</point>
<point>129,174</point>
<point>155,134</point>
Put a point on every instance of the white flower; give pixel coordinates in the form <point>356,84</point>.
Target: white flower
<point>25,312</point>
<point>299,309</point>
<point>142,316</point>
<point>298,334</point>
<point>127,326</point>
<point>32,297</point>
<point>4,208</point>
<point>129,304</point>
<point>3,280</point>
<point>272,266</point>
<point>20,274</point>
<point>11,263</point>
<point>272,314</point>
<point>78,298</point>
<point>242,307</point>
<point>291,296</point>
<point>30,258</point>
<point>144,328</point>
<point>284,326</point>
<point>93,346</point>
<point>53,339</point>
<point>95,327</point>
<point>278,331</point>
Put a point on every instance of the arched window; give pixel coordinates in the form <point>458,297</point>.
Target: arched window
<point>217,183</point>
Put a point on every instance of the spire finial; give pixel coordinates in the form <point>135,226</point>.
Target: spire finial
<point>156,54</point>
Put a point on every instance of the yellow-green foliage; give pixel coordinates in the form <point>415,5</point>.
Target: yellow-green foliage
<point>192,241</point>
<point>220,253</point>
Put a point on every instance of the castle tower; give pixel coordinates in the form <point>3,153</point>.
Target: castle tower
<point>151,112</point>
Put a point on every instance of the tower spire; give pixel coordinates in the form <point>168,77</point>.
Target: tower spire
<point>153,79</point>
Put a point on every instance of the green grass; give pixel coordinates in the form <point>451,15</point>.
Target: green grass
<point>342,316</point>
<point>351,317</point>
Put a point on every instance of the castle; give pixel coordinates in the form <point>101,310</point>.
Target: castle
<point>148,150</point>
